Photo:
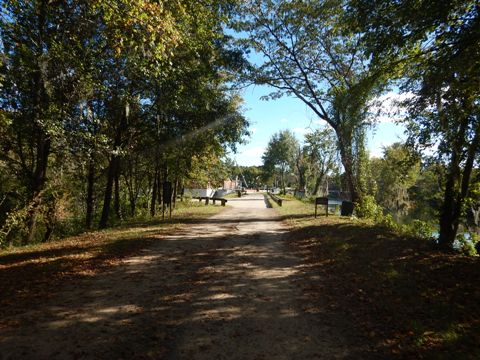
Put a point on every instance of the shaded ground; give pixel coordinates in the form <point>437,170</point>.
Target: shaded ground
<point>225,288</point>
<point>411,301</point>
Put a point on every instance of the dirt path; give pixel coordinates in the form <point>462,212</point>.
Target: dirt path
<point>228,288</point>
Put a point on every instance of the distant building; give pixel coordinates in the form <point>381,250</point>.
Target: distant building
<point>230,184</point>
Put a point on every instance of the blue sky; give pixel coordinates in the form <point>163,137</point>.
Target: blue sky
<point>269,117</point>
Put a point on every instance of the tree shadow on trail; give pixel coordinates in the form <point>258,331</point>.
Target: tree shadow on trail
<point>411,299</point>
<point>180,298</point>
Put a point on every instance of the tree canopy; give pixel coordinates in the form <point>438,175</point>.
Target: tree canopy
<point>98,107</point>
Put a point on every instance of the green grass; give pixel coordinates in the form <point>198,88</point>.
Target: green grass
<point>408,299</point>
<point>300,213</point>
<point>32,271</point>
<point>231,195</point>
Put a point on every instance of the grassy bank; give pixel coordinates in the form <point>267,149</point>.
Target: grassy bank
<point>33,272</point>
<point>408,299</point>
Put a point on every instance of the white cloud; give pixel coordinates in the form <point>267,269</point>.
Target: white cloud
<point>283,120</point>
<point>250,156</point>
<point>377,150</point>
<point>319,122</point>
<point>253,130</point>
<point>302,131</point>
<point>388,107</point>
<point>254,151</point>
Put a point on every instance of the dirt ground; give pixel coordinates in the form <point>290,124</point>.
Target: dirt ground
<point>226,288</point>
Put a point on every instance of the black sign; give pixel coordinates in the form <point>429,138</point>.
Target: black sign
<point>321,201</point>
<point>167,192</point>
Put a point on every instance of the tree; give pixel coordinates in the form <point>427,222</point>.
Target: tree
<point>433,46</point>
<point>395,175</point>
<point>90,88</point>
<point>322,153</point>
<point>279,155</point>
<point>308,53</point>
<point>253,175</point>
<point>41,85</point>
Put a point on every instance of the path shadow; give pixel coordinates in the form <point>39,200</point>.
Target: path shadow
<point>182,297</point>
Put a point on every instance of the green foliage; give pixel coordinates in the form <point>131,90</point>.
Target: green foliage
<point>97,100</point>
<point>369,209</point>
<point>466,244</point>
<point>308,51</point>
<point>321,153</point>
<point>432,47</point>
<point>279,155</point>
<point>420,229</point>
<point>395,174</point>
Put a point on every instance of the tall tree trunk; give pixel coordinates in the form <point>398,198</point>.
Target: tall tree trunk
<point>133,206</point>
<point>159,188</point>
<point>175,187</point>
<point>153,207</point>
<point>108,192</point>
<point>347,162</point>
<point>448,225</point>
<point>113,174</point>
<point>318,182</point>
<point>38,183</point>
<point>90,187</point>
<point>116,201</point>
<point>43,142</point>
<point>454,200</point>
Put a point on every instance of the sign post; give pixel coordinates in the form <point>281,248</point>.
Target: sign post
<point>321,201</point>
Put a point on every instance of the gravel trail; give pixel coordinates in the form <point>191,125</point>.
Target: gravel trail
<point>226,288</point>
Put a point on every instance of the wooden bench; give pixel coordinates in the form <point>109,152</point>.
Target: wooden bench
<point>224,201</point>
<point>200,198</point>
<point>276,199</point>
<point>207,199</point>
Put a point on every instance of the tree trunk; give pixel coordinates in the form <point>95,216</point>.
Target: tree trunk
<point>108,192</point>
<point>90,187</point>
<point>175,187</point>
<point>153,208</point>
<point>448,223</point>
<point>133,206</point>
<point>38,183</point>
<point>159,188</point>
<point>318,182</point>
<point>116,201</point>
<point>113,174</point>
<point>347,162</point>
<point>43,142</point>
<point>454,199</point>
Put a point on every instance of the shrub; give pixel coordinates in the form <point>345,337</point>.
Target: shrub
<point>420,229</point>
<point>466,244</point>
<point>369,209</point>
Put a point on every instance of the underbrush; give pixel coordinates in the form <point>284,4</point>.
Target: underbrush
<point>407,299</point>
<point>32,271</point>
<point>73,226</point>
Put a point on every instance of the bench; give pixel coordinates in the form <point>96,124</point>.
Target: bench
<point>200,198</point>
<point>207,199</point>
<point>222,200</point>
<point>276,199</point>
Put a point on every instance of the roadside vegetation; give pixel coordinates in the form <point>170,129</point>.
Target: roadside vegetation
<point>410,299</point>
<point>35,271</point>
<point>99,115</point>
<point>355,63</point>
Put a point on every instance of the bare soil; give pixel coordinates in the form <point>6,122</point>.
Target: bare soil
<point>228,287</point>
